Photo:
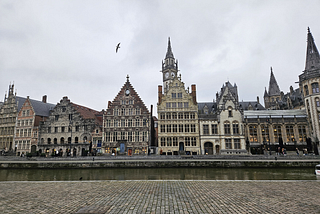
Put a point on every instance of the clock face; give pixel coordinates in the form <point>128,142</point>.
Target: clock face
<point>127,92</point>
<point>172,74</point>
<point>167,75</point>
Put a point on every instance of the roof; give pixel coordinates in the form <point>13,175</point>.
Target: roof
<point>40,108</point>
<point>275,113</point>
<point>85,112</point>
<point>244,105</point>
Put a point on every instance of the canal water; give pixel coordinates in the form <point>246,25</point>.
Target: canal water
<point>158,174</point>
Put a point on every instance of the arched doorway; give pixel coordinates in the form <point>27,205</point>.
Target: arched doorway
<point>181,146</point>
<point>33,148</point>
<point>217,149</point>
<point>208,148</point>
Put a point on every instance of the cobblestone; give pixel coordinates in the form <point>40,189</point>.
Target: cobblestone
<point>155,197</point>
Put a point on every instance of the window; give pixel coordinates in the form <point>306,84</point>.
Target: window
<point>116,111</point>
<point>302,133</point>
<point>123,123</point>
<point>227,128</point>
<point>168,116</point>
<point>228,144</point>
<point>180,127</point>
<point>138,111</point>
<point>317,102</point>
<point>179,105</point>
<point>169,128</point>
<point>253,134</point>
<point>174,128</point>
<point>306,91</point>
<point>174,115</point>
<point>28,112</point>
<point>175,141</point>
<point>62,140</point>
<point>174,95</point>
<point>290,134</point>
<point>193,127</point>
<point>123,111</point>
<point>186,115</point>
<point>70,116</point>
<point>174,105</point>
<point>56,117</point>
<point>277,133</point>
<point>187,141</point>
<point>136,136</point>
<point>180,116</point>
<point>55,129</point>
<point>129,136</point>
<point>179,95</point>
<point>237,144</point>
<point>235,128</point>
<point>186,128</point>
<point>214,128</point>
<point>162,116</point>
<point>77,128</point>
<point>186,105</point>
<point>145,136</point>
<point>229,111</point>
<point>129,122</point>
<point>137,122</point>
<point>49,140</point>
<point>62,129</point>
<point>163,128</point>
<point>265,133</point>
<point>76,140</point>
<point>122,135</point>
<point>205,129</point>
<point>193,141</point>
<point>163,141</point>
<point>108,136</point>
<point>169,142</point>
<point>49,129</point>
<point>55,141</point>
<point>315,87</point>
<point>145,122</point>
<point>168,105</point>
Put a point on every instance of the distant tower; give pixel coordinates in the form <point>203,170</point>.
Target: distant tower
<point>309,86</point>
<point>272,97</point>
<point>169,68</point>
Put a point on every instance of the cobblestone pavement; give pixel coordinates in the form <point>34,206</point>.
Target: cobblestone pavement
<point>160,197</point>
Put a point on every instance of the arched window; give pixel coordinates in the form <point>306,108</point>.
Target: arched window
<point>69,139</point>
<point>315,87</point>
<point>49,140</point>
<point>76,139</point>
<point>230,111</point>
<point>85,139</point>
<point>62,140</point>
<point>235,127</point>
<point>55,141</point>
<point>253,133</point>
<point>317,102</point>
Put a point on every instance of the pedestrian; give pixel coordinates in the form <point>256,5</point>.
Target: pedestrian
<point>297,150</point>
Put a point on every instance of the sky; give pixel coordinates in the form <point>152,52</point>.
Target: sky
<point>67,48</point>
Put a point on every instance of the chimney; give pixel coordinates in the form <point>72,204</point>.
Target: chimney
<point>159,94</point>
<point>193,93</point>
<point>44,98</point>
<point>151,110</point>
<point>258,99</point>
<point>291,90</point>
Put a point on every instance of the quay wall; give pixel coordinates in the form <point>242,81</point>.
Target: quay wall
<point>158,164</point>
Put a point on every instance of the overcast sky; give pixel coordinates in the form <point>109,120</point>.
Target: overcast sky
<point>67,48</point>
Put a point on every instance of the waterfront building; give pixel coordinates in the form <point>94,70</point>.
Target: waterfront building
<point>69,130</point>
<point>8,114</point>
<point>31,113</point>
<point>127,124</point>
<point>221,123</point>
<point>178,128</point>
<point>309,85</point>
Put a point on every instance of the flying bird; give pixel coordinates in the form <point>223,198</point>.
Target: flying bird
<point>118,46</point>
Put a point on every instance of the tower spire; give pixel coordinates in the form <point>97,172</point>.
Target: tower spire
<point>273,85</point>
<point>312,55</point>
<point>169,50</point>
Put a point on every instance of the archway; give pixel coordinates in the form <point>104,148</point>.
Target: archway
<point>208,148</point>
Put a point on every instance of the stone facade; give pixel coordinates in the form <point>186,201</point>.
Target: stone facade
<point>221,124</point>
<point>309,83</point>
<point>69,130</point>
<point>29,117</point>
<point>178,129</point>
<point>8,114</point>
<point>127,124</point>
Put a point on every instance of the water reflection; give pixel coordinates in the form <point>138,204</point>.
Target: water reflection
<point>157,174</point>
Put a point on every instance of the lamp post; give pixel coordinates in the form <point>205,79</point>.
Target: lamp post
<point>70,126</point>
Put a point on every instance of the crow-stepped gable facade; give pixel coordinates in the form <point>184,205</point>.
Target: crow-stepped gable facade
<point>126,124</point>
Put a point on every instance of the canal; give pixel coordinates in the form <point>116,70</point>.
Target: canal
<point>158,174</point>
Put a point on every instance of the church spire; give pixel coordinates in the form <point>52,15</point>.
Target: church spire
<point>312,55</point>
<point>273,85</point>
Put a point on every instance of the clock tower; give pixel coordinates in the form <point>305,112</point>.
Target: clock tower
<point>169,68</point>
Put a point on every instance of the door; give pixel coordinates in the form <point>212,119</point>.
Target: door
<point>181,146</point>
<point>217,149</point>
<point>208,148</point>
<point>122,147</point>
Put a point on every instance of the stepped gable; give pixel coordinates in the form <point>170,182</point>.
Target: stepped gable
<point>138,101</point>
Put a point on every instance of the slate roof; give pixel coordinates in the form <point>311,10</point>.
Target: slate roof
<point>40,108</point>
<point>244,105</point>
